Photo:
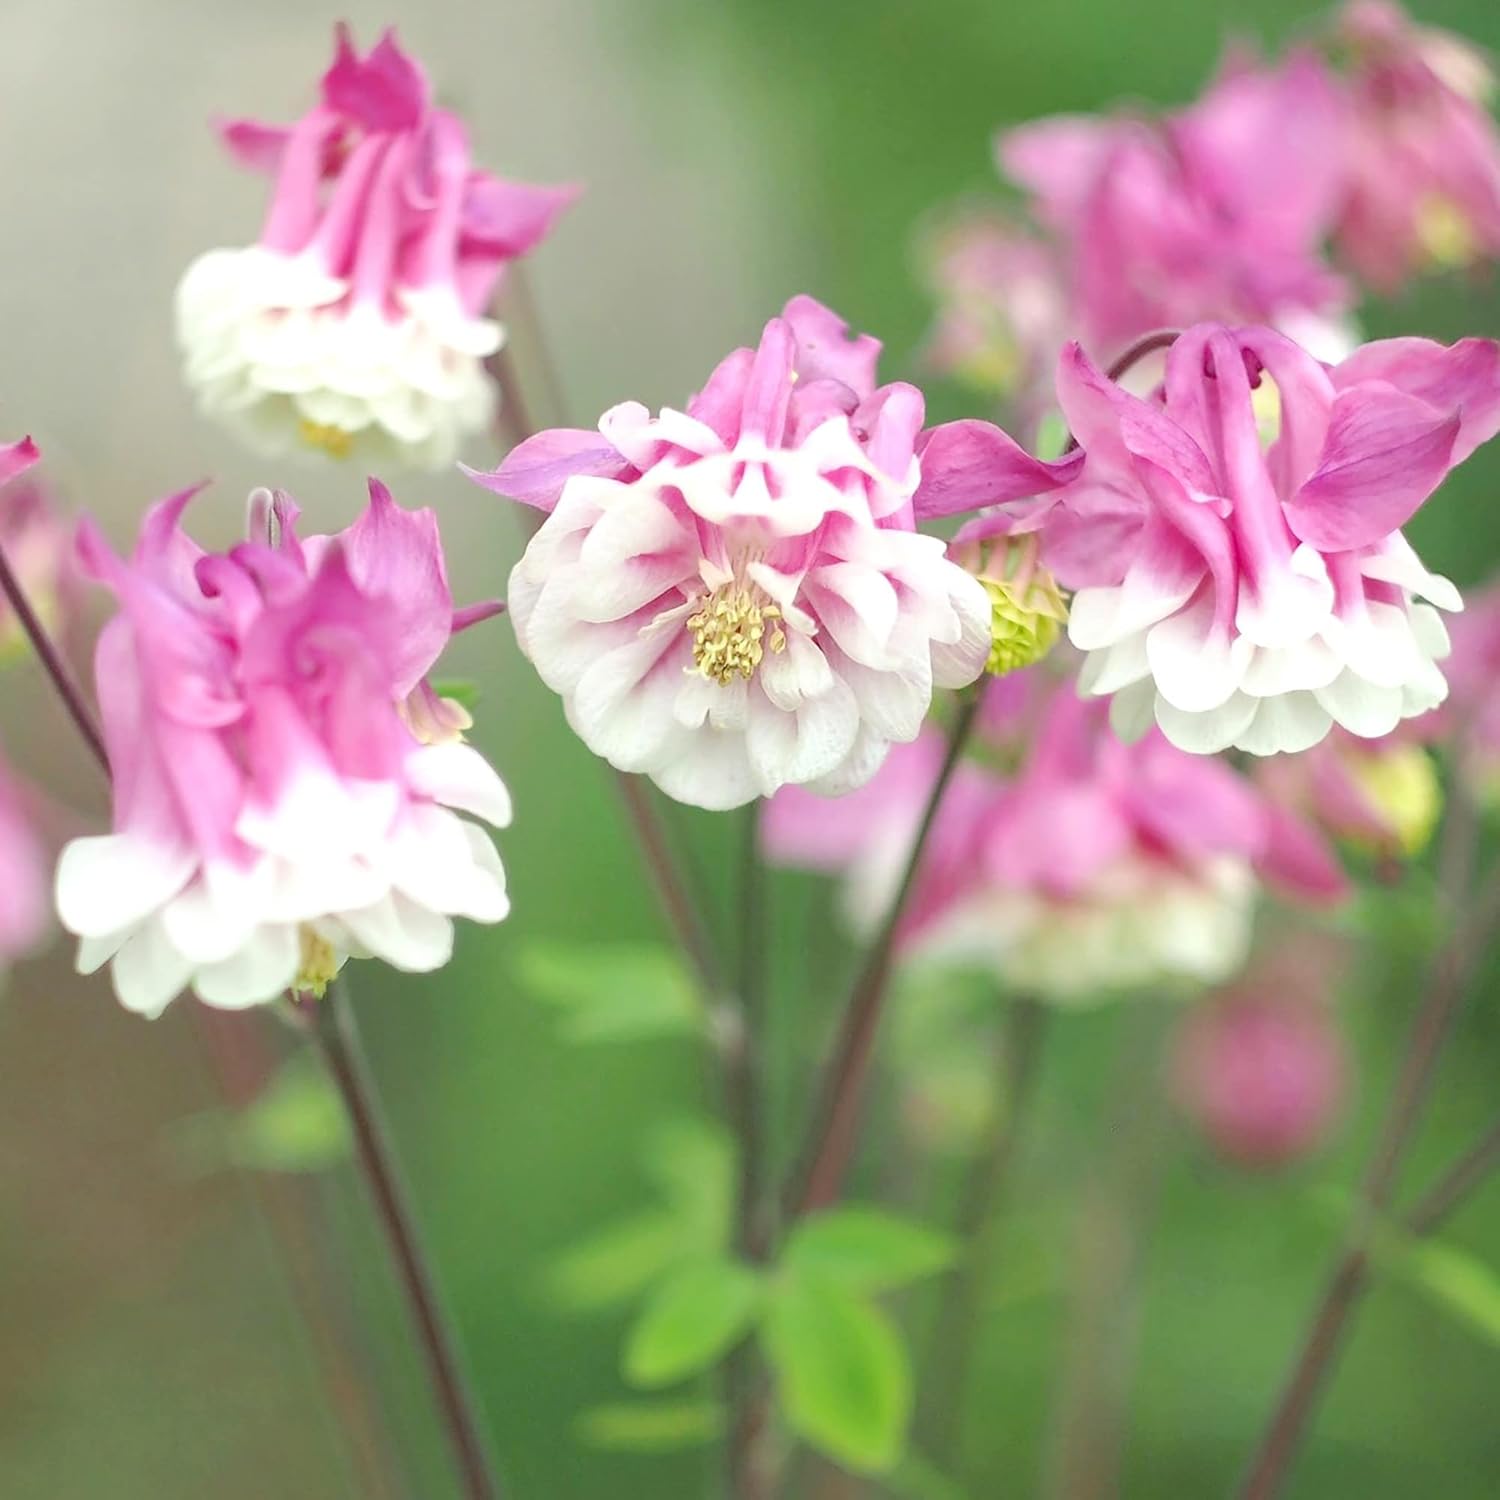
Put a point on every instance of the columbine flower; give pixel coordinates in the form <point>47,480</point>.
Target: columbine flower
<point>23,875</point>
<point>1261,1069</point>
<point>1470,720</point>
<point>1251,595</point>
<point>1096,867</point>
<point>1218,211</point>
<point>1423,187</point>
<point>278,803</point>
<point>735,598</point>
<point>356,326</point>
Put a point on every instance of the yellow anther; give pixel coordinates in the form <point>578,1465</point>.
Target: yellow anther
<point>1402,785</point>
<point>319,965</point>
<point>729,632</point>
<point>334,441</point>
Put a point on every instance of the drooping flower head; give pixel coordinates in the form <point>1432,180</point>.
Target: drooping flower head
<point>1261,1069</point>
<point>1090,867</point>
<point>735,597</point>
<point>1235,541</point>
<point>1423,175</point>
<point>38,545</point>
<point>356,325</point>
<point>23,875</point>
<point>1217,211</point>
<point>287,788</point>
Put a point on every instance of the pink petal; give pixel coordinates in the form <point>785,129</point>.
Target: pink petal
<point>1299,860</point>
<point>386,91</point>
<point>825,351</point>
<point>1386,453</point>
<point>534,472</point>
<point>512,218</point>
<point>970,464</point>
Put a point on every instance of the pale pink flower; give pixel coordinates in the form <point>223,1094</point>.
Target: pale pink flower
<point>1261,1070</point>
<point>1094,867</point>
<point>1218,211</point>
<point>1235,542</point>
<point>357,324</point>
<point>1470,720</point>
<point>1423,176</point>
<point>23,875</point>
<point>284,794</point>
<point>735,597</point>
<point>38,544</point>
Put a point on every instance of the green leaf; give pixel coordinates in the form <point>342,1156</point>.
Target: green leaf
<point>297,1124</point>
<point>692,1162</point>
<point>460,690</point>
<point>650,1426</point>
<point>617,1263</point>
<point>697,1313</point>
<point>1458,1282</point>
<point>612,992</point>
<point>843,1376</point>
<point>866,1249</point>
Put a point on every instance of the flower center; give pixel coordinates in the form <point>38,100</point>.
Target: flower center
<point>334,441</point>
<point>319,964</point>
<point>729,631</point>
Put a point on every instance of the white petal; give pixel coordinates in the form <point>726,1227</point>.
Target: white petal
<point>1197,663</point>
<point>708,768</point>
<point>458,776</point>
<point>1285,669</point>
<point>405,935</point>
<point>1112,668</point>
<point>802,745</point>
<point>792,676</point>
<point>216,913</point>
<point>1285,725</point>
<point>1211,731</point>
<point>864,759</point>
<point>264,968</point>
<point>1133,710</point>
<point>112,883</point>
<point>1363,708</point>
<point>148,972</point>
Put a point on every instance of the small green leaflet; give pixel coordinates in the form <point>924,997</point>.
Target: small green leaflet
<point>694,1315</point>
<point>866,1249</point>
<point>650,1426</point>
<point>611,992</point>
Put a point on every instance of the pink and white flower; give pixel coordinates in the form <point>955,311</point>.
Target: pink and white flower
<point>1240,592</point>
<point>1423,176</point>
<point>285,795</point>
<point>356,325</point>
<point>1217,211</point>
<point>735,597</point>
<point>23,875</point>
<point>1096,867</point>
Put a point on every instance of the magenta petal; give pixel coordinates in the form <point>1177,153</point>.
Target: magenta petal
<point>1299,861</point>
<point>1463,378</point>
<point>253,144</point>
<point>892,418</point>
<point>970,464</point>
<point>534,472</point>
<point>825,350</point>
<point>385,91</point>
<point>476,614</point>
<point>16,458</point>
<point>511,218</point>
<point>1386,453</point>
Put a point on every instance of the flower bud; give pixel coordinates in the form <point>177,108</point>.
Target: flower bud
<point>1027,609</point>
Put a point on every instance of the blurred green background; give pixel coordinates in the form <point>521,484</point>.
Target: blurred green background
<point>735,153</point>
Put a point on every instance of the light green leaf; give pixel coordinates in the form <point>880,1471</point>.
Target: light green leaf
<point>297,1124</point>
<point>692,1162</point>
<point>650,1426</point>
<point>612,992</point>
<point>843,1376</point>
<point>1456,1280</point>
<point>617,1263</point>
<point>697,1313</point>
<point>866,1249</point>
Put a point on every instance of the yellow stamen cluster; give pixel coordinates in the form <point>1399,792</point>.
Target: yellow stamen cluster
<point>729,629</point>
<point>319,966</point>
<point>1027,609</point>
<point>334,441</point>
<point>1402,785</point>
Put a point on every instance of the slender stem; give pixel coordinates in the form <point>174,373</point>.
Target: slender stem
<point>1447,981</point>
<point>830,1141</point>
<point>957,1326</point>
<point>748,1466</point>
<point>53,662</point>
<point>1455,1185</point>
<point>338,1039</point>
